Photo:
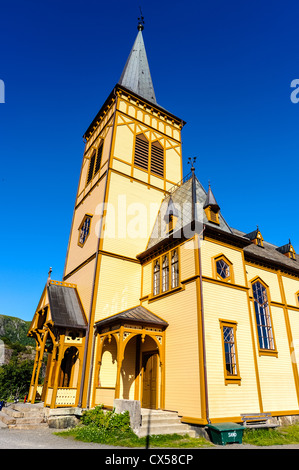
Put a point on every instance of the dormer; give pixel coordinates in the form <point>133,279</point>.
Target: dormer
<point>171,216</point>
<point>287,250</point>
<point>211,208</point>
<point>256,237</point>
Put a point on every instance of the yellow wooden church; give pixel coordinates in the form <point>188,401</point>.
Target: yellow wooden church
<point>161,300</point>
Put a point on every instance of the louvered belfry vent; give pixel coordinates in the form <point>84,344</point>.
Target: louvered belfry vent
<point>91,166</point>
<point>157,159</point>
<point>99,158</point>
<point>141,152</point>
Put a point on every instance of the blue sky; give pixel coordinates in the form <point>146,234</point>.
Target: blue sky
<point>223,67</point>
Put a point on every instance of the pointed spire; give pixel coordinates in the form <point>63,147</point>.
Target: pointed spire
<point>136,74</point>
<point>210,200</point>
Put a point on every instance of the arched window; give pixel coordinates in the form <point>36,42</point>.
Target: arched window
<point>156,287</point>
<point>165,274</point>
<point>263,317</point>
<point>174,269</point>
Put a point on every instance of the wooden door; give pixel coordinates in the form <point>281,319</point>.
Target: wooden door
<point>149,385</point>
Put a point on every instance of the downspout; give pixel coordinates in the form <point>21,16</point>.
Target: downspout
<point>93,286</point>
<point>203,328</point>
<point>194,219</point>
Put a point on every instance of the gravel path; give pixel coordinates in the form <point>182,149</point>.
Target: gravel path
<point>44,438</point>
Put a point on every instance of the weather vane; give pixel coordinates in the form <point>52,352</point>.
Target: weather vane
<point>141,21</point>
<point>191,161</point>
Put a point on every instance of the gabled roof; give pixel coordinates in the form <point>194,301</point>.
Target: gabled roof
<point>286,248</point>
<point>268,254</point>
<point>136,314</point>
<point>253,235</point>
<point>136,74</point>
<point>188,200</point>
<point>65,306</point>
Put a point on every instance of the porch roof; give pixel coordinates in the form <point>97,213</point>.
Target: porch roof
<point>65,306</point>
<point>137,314</point>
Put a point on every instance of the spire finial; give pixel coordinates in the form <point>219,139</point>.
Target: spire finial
<point>191,161</point>
<point>49,277</point>
<point>140,26</point>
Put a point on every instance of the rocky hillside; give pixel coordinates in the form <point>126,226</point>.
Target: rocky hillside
<point>15,330</point>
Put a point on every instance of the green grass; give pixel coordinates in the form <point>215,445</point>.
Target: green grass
<point>91,433</point>
<point>272,437</point>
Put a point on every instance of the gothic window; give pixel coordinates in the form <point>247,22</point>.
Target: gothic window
<point>84,229</point>
<point>156,283</point>
<point>174,269</point>
<point>141,152</point>
<point>263,317</point>
<point>165,273</point>
<point>231,368</point>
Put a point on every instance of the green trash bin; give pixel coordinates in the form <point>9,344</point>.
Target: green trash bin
<point>226,433</point>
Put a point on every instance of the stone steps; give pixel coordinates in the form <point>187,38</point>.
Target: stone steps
<point>22,416</point>
<point>162,422</point>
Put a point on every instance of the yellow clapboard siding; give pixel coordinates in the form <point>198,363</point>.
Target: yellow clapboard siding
<point>294,323</point>
<point>90,205</point>
<point>182,370</point>
<point>291,287</point>
<point>276,374</point>
<point>187,260</point>
<point>147,279</point>
<point>114,297</point>
<point>173,168</point>
<point>83,278</point>
<point>131,212</point>
<point>211,250</point>
<point>221,302</point>
<point>124,142</point>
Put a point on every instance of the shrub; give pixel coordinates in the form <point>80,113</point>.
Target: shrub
<point>108,422</point>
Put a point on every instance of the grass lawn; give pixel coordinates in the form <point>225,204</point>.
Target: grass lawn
<point>107,427</point>
<point>91,433</point>
<point>256,437</point>
<point>272,437</point>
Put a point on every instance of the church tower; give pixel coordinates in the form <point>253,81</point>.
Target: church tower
<point>162,302</point>
<point>132,157</point>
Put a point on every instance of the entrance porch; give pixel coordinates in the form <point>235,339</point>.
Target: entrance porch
<point>59,328</point>
<point>130,359</point>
